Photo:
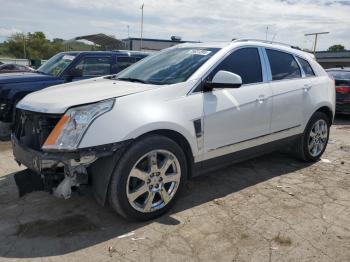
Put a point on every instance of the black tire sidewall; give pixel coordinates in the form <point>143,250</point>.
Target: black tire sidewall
<point>317,116</point>
<point>117,190</point>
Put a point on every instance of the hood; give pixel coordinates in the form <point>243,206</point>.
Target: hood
<point>23,77</point>
<point>57,99</point>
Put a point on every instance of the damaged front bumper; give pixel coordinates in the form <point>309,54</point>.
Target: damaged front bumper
<point>61,171</point>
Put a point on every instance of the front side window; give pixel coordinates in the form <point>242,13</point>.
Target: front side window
<point>56,64</point>
<point>168,67</point>
<point>94,66</point>
<point>283,65</point>
<point>306,67</point>
<point>244,62</point>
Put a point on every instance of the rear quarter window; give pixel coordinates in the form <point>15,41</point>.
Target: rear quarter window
<point>306,67</point>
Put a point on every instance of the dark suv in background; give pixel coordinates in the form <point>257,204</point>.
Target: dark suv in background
<point>342,87</point>
<point>61,68</point>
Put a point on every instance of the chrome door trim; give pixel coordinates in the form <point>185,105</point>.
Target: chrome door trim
<point>260,140</point>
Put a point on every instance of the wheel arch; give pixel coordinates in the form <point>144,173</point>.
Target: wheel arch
<point>179,139</point>
<point>101,171</point>
<point>326,110</point>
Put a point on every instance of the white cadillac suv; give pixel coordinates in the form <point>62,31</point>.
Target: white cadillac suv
<point>137,136</point>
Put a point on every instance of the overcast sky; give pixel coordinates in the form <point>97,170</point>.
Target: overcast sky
<point>203,20</point>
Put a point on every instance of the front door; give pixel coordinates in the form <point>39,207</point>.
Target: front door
<point>237,116</point>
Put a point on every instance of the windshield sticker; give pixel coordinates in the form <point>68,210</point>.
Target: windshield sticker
<point>68,57</point>
<point>199,52</point>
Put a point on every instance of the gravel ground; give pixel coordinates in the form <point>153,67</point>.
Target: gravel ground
<point>273,208</point>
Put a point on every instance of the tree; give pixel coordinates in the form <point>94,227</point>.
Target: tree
<point>35,44</point>
<point>15,45</point>
<point>336,48</point>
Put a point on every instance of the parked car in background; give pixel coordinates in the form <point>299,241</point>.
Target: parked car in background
<point>14,68</point>
<point>1,63</point>
<point>342,87</point>
<point>61,68</point>
<point>137,136</point>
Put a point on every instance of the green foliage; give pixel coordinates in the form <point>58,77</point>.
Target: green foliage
<point>32,45</point>
<point>36,46</point>
<point>336,48</point>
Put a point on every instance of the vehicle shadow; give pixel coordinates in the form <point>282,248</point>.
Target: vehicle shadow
<point>40,225</point>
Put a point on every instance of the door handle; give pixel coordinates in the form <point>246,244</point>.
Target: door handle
<point>307,87</point>
<point>261,99</point>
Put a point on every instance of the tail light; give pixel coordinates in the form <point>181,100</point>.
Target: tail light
<point>343,89</point>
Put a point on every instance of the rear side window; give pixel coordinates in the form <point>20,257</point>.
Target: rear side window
<point>125,61</point>
<point>283,65</point>
<point>244,62</point>
<point>95,66</point>
<point>306,67</point>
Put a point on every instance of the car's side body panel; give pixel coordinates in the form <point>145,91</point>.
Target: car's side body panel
<point>235,115</point>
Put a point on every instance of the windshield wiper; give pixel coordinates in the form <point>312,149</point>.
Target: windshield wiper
<point>130,79</point>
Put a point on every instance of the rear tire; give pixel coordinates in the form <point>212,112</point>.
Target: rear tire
<point>148,178</point>
<point>313,142</point>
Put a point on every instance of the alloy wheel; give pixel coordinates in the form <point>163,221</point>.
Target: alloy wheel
<point>318,137</point>
<point>153,181</point>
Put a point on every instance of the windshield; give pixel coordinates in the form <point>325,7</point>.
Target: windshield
<point>340,75</point>
<point>168,67</point>
<point>56,64</point>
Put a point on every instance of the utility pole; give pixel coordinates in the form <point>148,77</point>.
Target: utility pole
<point>141,24</point>
<point>24,46</point>
<point>267,29</point>
<point>315,41</point>
<point>128,26</point>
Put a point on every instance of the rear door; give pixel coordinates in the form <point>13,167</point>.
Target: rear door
<point>288,89</point>
<point>124,62</point>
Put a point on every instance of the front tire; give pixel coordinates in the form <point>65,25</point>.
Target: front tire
<point>148,178</point>
<point>314,140</point>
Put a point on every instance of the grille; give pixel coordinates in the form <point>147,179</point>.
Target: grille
<point>32,129</point>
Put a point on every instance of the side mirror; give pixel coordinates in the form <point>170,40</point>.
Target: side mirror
<point>223,79</point>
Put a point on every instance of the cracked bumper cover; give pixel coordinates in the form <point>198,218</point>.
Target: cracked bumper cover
<point>40,161</point>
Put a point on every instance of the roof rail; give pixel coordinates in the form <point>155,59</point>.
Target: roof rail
<point>263,41</point>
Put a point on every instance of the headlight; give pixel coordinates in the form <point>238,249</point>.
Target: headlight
<point>69,131</point>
